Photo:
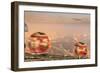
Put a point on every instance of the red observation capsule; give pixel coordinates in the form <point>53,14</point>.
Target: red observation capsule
<point>81,49</point>
<point>39,43</point>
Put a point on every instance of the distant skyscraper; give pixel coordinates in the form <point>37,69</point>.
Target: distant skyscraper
<point>25,28</point>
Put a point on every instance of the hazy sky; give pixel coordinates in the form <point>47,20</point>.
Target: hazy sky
<point>57,25</point>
